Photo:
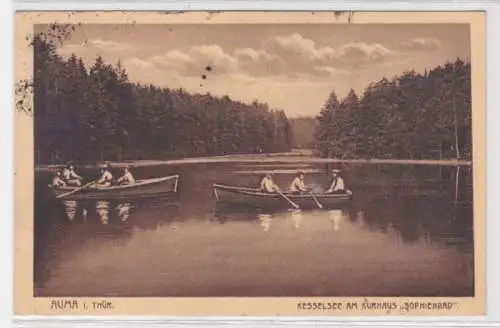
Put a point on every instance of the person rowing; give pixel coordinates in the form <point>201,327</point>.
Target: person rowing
<point>298,185</point>
<point>70,177</point>
<point>267,184</point>
<point>127,177</point>
<point>57,181</point>
<point>106,177</point>
<point>337,184</point>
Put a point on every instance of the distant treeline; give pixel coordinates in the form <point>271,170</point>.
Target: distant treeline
<point>303,131</point>
<point>93,114</point>
<point>89,114</point>
<point>413,116</point>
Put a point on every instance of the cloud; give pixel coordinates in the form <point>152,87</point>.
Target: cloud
<point>69,49</point>
<point>93,46</point>
<point>174,58</point>
<point>194,61</point>
<point>420,45</point>
<point>259,62</point>
<point>298,46</point>
<point>360,53</point>
<point>302,53</point>
<point>289,55</point>
<point>329,71</point>
<point>253,55</point>
<point>214,55</point>
<point>137,62</point>
<point>108,45</point>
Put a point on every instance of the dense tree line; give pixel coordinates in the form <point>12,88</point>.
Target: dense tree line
<point>412,116</point>
<point>303,131</point>
<point>89,114</point>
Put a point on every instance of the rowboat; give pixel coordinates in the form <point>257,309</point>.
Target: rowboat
<point>253,197</point>
<point>163,186</point>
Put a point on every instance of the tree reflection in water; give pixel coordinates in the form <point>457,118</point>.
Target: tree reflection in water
<point>71,224</point>
<point>414,220</point>
<point>384,213</point>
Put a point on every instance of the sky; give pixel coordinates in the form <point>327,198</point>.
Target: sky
<point>292,67</point>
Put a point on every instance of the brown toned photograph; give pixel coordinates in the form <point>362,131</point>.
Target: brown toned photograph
<point>331,159</point>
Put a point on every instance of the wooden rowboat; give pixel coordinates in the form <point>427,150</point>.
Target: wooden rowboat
<point>160,187</point>
<point>253,197</point>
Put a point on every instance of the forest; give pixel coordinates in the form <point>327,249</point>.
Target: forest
<point>411,116</point>
<point>303,131</point>
<point>90,114</point>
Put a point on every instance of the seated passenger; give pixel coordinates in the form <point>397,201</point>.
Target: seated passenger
<point>267,184</point>
<point>127,177</point>
<point>70,176</point>
<point>106,177</point>
<point>57,181</point>
<point>337,184</point>
<point>298,184</point>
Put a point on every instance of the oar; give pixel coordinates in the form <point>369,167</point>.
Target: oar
<point>74,190</point>
<point>316,200</point>
<point>288,200</point>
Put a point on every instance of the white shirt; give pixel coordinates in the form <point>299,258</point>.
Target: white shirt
<point>338,185</point>
<point>127,177</point>
<point>58,182</point>
<point>66,174</point>
<point>70,174</point>
<point>106,176</point>
<point>268,185</point>
<point>298,185</point>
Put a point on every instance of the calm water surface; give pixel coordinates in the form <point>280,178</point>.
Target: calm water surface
<point>408,232</point>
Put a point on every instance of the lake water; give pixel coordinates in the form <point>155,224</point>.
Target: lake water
<point>407,232</point>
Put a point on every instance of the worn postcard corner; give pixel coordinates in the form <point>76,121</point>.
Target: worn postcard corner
<point>295,163</point>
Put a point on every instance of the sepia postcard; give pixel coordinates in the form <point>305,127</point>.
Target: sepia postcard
<point>250,163</point>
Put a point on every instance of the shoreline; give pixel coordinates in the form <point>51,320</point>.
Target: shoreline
<point>284,158</point>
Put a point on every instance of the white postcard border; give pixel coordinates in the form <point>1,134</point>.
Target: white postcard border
<point>493,227</point>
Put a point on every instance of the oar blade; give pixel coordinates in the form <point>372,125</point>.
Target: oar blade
<point>316,201</point>
<point>74,190</point>
<point>289,200</point>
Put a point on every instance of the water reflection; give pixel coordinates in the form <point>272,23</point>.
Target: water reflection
<point>102,209</point>
<point>107,212</point>
<point>224,214</point>
<point>123,210</point>
<point>360,215</point>
<point>408,218</point>
<point>265,221</point>
<point>70,208</point>
<point>297,218</point>
<point>335,217</point>
<point>409,226</point>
